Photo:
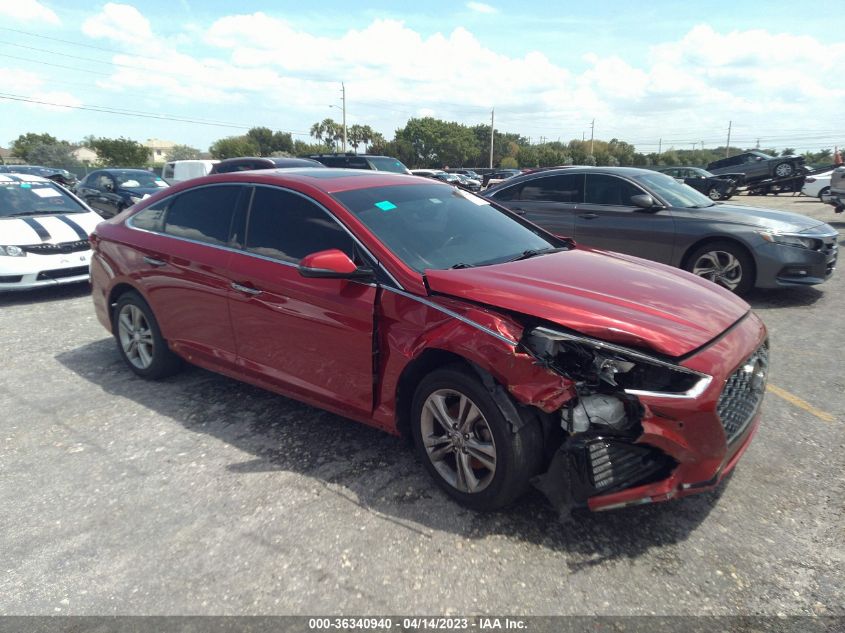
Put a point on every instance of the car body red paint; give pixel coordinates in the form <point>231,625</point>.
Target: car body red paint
<point>346,345</point>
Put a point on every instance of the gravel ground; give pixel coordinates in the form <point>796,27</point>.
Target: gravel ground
<point>201,495</point>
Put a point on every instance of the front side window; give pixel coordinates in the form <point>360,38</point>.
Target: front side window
<point>435,226</point>
<point>203,214</point>
<point>287,226</point>
<point>611,190</point>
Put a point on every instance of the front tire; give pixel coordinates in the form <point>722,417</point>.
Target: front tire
<point>139,339</point>
<point>466,443</point>
<point>784,170</point>
<point>714,194</point>
<point>723,263</point>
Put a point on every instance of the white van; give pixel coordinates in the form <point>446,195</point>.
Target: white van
<point>179,170</point>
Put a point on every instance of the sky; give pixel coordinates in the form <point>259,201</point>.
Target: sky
<point>657,74</point>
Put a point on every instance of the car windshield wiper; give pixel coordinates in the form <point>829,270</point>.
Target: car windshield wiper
<point>703,206</point>
<point>460,265</point>
<point>23,213</point>
<point>531,252</point>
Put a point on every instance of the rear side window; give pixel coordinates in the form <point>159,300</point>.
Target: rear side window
<point>333,161</point>
<point>203,214</point>
<point>610,190</point>
<point>151,218</point>
<point>566,188</point>
<point>167,172</point>
<point>358,163</point>
<point>286,226</point>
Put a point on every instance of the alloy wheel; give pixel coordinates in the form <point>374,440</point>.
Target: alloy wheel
<point>720,267</point>
<point>136,336</point>
<point>714,194</point>
<point>458,440</point>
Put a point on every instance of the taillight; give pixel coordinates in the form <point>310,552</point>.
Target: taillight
<point>94,240</point>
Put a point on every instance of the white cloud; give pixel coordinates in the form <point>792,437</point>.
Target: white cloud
<point>119,22</point>
<point>28,11</point>
<point>480,7</point>
<point>30,86</point>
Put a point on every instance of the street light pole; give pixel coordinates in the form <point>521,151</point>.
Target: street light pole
<point>492,128</point>
<point>343,92</point>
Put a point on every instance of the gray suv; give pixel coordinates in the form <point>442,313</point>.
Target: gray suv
<point>651,215</point>
<point>836,197</point>
<point>758,166</point>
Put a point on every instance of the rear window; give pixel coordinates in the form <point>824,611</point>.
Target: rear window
<point>385,163</point>
<point>19,199</point>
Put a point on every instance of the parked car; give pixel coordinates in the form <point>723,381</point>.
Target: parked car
<point>246,163</point>
<point>110,191</point>
<point>470,184</point>
<point>817,185</point>
<point>712,186</point>
<point>361,161</point>
<point>62,176</point>
<point>495,177</point>
<point>836,196</point>
<point>644,213</point>
<point>179,170</point>
<point>470,173</point>
<point>509,355</point>
<point>43,233</point>
<point>758,166</point>
<point>457,180</point>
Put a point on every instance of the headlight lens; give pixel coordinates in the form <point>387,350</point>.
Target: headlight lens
<point>593,362</point>
<point>12,251</point>
<point>790,239</point>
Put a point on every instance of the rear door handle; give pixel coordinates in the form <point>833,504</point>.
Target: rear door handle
<point>152,261</point>
<point>588,216</point>
<point>245,289</point>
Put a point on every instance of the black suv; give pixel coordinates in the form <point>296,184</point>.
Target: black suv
<point>60,176</point>
<point>759,166</point>
<point>715,187</point>
<point>247,163</point>
<point>361,161</point>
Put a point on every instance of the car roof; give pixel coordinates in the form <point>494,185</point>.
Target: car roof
<point>328,180</point>
<point>23,178</point>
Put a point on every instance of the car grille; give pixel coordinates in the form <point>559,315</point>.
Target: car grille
<point>56,249</point>
<point>743,393</point>
<point>831,249</point>
<point>10,279</point>
<point>614,464</point>
<point>62,273</point>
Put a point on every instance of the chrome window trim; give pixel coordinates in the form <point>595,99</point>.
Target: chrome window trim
<point>694,392</point>
<point>455,315</point>
<point>243,251</point>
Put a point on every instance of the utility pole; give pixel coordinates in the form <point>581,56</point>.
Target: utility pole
<point>343,92</point>
<point>728,145</point>
<point>758,143</point>
<point>492,132</point>
<point>592,131</point>
<point>660,147</point>
<point>583,136</point>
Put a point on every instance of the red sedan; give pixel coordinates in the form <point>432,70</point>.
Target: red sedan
<point>511,356</point>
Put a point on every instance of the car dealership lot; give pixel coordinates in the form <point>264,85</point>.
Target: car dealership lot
<point>203,495</point>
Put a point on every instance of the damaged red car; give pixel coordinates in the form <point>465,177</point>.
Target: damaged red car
<point>509,356</point>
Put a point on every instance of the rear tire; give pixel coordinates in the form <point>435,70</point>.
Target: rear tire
<point>823,192</point>
<point>467,445</point>
<point>784,170</point>
<point>139,339</point>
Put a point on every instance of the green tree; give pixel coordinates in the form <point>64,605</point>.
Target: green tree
<point>23,145</point>
<point>788,151</point>
<point>233,146</point>
<point>263,139</point>
<point>55,155</point>
<point>120,152</point>
<point>327,131</point>
<point>438,143</point>
<point>282,142</point>
<point>184,152</point>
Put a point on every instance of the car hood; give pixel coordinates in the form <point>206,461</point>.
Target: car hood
<point>770,219</point>
<point>57,227</point>
<point>140,191</point>
<point>609,296</point>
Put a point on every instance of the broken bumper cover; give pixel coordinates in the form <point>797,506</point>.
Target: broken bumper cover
<point>685,446</point>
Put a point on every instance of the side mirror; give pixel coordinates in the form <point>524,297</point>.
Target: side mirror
<point>644,201</point>
<point>759,157</point>
<point>331,264</point>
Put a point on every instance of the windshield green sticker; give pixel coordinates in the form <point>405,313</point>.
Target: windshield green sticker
<point>385,205</point>
<point>26,185</point>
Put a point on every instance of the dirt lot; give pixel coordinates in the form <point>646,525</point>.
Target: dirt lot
<point>200,495</point>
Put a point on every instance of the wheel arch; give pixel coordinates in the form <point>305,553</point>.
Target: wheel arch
<point>117,292</point>
<point>685,260</point>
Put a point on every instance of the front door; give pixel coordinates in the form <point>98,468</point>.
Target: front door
<point>310,337</point>
<point>608,219</point>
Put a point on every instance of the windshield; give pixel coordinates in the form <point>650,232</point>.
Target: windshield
<point>35,198</point>
<point>674,193</point>
<point>138,179</point>
<point>384,163</point>
<point>436,226</point>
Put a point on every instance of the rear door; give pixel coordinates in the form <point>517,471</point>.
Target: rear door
<point>183,262</point>
<point>608,219</point>
<point>548,201</point>
<point>312,337</point>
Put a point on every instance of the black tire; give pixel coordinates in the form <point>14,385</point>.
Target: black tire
<point>714,194</point>
<point>744,281</point>
<point>518,455</point>
<point>784,170</point>
<point>823,192</point>
<point>160,361</point>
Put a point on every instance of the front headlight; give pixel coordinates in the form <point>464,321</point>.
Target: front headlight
<point>790,239</point>
<point>12,251</point>
<point>593,362</point>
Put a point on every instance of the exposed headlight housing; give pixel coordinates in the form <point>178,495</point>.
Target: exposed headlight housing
<point>12,251</point>
<point>135,199</point>
<point>595,363</point>
<point>790,239</point>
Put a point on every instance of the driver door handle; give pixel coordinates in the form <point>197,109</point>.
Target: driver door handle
<point>152,261</point>
<point>245,289</point>
<point>588,216</point>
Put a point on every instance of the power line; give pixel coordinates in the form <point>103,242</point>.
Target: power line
<point>72,43</point>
